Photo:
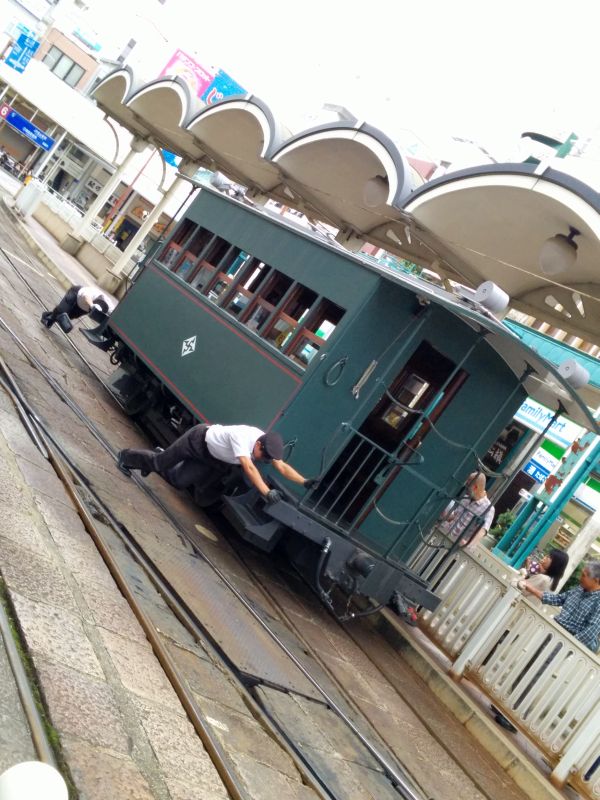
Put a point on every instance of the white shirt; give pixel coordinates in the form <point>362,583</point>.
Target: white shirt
<point>229,442</point>
<point>462,514</point>
<point>86,296</point>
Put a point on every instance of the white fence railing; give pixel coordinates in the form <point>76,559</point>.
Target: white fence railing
<point>540,677</point>
<point>66,210</point>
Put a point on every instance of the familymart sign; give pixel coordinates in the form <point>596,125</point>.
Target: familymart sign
<point>536,416</point>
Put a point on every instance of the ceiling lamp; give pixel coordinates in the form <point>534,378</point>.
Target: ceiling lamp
<point>559,253</point>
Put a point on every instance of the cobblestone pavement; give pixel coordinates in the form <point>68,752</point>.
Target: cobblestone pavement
<point>122,728</point>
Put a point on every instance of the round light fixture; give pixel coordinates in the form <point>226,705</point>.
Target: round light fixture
<point>559,253</point>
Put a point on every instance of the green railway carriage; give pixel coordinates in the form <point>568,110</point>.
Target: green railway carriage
<point>387,388</point>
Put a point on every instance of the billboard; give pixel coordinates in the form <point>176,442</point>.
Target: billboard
<point>222,85</point>
<point>197,77</point>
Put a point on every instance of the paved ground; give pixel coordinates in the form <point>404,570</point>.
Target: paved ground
<point>122,728</point>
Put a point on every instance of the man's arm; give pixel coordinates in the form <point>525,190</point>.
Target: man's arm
<point>288,472</point>
<point>548,598</point>
<point>253,475</point>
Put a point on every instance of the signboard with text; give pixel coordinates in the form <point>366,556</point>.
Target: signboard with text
<point>535,471</point>
<point>25,127</point>
<point>541,465</point>
<point>21,52</point>
<point>536,416</point>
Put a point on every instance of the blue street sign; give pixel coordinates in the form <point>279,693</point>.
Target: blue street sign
<point>24,126</point>
<point>171,158</point>
<point>536,471</point>
<point>21,52</point>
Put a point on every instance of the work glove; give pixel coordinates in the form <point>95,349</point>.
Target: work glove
<point>273,496</point>
<point>310,483</point>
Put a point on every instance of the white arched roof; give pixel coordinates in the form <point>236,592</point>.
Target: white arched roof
<point>240,138</point>
<point>485,223</point>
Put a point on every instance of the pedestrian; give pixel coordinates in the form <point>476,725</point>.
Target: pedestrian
<point>205,454</point>
<point>471,517</point>
<point>78,301</point>
<point>544,575</point>
<point>580,614</point>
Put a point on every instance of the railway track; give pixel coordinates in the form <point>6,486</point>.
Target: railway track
<point>104,525</point>
<point>278,607</point>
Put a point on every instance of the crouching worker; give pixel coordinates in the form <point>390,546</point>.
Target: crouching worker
<point>78,301</point>
<point>205,455</point>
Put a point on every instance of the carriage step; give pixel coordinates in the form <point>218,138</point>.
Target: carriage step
<point>250,526</point>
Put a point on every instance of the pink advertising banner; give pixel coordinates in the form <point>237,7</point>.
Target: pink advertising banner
<point>197,77</point>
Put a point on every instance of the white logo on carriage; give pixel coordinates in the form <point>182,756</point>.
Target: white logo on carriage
<point>188,346</point>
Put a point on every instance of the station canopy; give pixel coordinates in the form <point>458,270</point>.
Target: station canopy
<point>486,223</point>
<point>71,111</point>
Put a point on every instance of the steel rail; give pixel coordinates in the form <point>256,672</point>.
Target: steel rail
<point>397,779</point>
<point>201,725</point>
<point>71,343</point>
<point>180,610</point>
<point>35,720</point>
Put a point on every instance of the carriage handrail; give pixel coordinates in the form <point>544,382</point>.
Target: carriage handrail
<point>458,445</point>
<point>387,460</point>
<point>394,461</point>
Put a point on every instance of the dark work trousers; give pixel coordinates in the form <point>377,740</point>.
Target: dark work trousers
<point>68,305</point>
<point>186,462</point>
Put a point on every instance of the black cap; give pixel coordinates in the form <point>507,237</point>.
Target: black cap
<point>272,444</point>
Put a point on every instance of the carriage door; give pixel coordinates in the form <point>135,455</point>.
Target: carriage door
<point>369,462</point>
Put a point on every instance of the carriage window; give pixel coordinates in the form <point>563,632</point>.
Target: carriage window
<point>290,315</point>
<point>173,249</point>
<point>265,290</point>
<point>208,263</point>
<point>317,326</point>
<point>231,272</point>
<point>191,251</point>
<point>408,396</point>
<point>246,270</point>
<point>217,250</point>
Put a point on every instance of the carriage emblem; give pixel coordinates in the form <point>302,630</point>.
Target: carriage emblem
<point>188,346</point>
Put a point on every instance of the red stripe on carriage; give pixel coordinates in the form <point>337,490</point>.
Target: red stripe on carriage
<point>234,330</point>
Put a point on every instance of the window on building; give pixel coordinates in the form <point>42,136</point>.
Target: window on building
<point>78,155</point>
<point>62,66</point>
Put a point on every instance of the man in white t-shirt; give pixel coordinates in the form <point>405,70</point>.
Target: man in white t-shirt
<point>78,301</point>
<point>205,454</point>
<point>471,517</point>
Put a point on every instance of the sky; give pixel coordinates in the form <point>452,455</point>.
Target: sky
<point>422,71</point>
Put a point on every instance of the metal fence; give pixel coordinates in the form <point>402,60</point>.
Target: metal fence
<point>539,676</point>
